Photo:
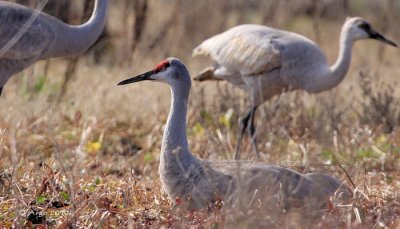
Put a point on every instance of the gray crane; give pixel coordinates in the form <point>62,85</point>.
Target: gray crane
<point>28,35</point>
<point>265,62</point>
<point>198,182</point>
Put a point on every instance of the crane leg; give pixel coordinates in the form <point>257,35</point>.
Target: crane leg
<point>252,131</point>
<point>244,122</point>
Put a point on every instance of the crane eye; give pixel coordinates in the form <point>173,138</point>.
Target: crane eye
<point>365,26</point>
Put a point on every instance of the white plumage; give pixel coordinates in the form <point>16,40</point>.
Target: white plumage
<point>265,61</point>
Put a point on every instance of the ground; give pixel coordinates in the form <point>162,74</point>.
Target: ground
<point>90,158</point>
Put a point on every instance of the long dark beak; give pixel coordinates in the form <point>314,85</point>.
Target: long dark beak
<point>144,76</point>
<point>379,37</point>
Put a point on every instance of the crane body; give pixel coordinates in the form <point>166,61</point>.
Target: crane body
<point>200,182</point>
<point>265,62</point>
<point>27,36</point>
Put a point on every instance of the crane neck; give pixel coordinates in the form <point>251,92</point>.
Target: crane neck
<point>342,63</point>
<point>339,69</point>
<point>174,143</point>
<point>76,39</point>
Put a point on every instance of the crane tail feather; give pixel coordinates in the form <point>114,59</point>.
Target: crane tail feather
<point>206,74</point>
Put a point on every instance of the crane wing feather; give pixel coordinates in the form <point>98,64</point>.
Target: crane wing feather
<point>248,50</point>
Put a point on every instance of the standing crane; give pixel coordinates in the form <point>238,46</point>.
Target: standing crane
<point>199,182</point>
<point>265,62</point>
<point>28,35</point>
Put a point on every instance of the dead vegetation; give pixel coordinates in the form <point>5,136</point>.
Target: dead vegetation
<point>92,159</point>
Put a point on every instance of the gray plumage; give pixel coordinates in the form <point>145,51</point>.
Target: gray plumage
<point>198,182</point>
<point>265,62</point>
<point>27,36</point>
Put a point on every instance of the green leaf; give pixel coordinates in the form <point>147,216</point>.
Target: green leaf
<point>40,199</point>
<point>64,195</point>
<point>226,119</point>
<point>198,129</point>
<point>366,153</point>
<point>40,84</point>
<point>97,181</point>
<point>90,188</point>
<point>148,157</point>
<point>327,154</point>
<point>207,117</point>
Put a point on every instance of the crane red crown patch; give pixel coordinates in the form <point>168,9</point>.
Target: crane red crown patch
<point>161,66</point>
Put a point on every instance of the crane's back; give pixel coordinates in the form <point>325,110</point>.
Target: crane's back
<point>251,50</point>
<point>271,181</point>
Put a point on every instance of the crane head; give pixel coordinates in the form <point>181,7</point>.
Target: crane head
<point>170,70</point>
<point>359,28</point>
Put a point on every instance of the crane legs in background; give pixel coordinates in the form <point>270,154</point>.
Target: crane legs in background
<point>247,123</point>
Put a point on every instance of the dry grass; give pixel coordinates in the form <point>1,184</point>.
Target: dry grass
<point>92,159</point>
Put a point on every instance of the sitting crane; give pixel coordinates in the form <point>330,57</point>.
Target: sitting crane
<point>199,182</point>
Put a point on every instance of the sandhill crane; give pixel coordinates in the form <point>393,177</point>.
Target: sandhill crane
<point>198,182</point>
<point>265,62</point>
<point>28,35</point>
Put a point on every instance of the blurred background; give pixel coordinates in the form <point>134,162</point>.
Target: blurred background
<point>140,33</point>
